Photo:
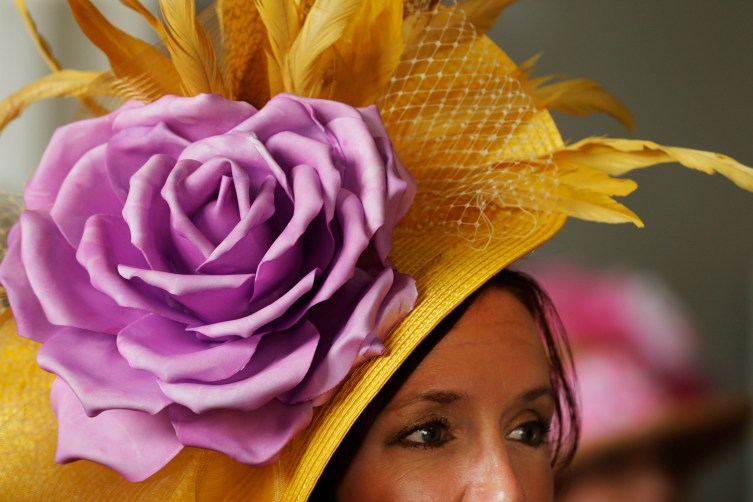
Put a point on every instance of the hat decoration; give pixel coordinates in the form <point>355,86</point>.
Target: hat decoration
<point>276,193</point>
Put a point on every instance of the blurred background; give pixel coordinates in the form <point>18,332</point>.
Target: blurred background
<point>684,68</point>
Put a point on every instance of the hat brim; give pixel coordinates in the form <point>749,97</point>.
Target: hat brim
<point>686,435</point>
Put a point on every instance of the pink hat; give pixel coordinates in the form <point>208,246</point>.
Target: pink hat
<point>635,352</point>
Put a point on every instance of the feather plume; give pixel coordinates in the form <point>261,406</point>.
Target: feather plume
<point>325,23</point>
<point>368,53</point>
<point>146,72</point>
<point>594,206</point>
<point>245,40</point>
<point>580,97</point>
<point>191,49</point>
<point>483,14</point>
<point>117,45</point>
<point>282,20</point>
<point>619,156</point>
<point>137,6</point>
<point>46,52</point>
<point>576,97</point>
<point>64,83</point>
<point>44,47</point>
<point>586,193</point>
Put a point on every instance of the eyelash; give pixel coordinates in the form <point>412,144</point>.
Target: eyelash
<point>540,428</point>
<point>436,424</point>
<point>537,429</point>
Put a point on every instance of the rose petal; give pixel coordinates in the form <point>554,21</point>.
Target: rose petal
<point>253,323</point>
<point>99,376</point>
<point>68,144</point>
<point>193,244</point>
<point>166,349</point>
<point>103,250</point>
<point>54,275</point>
<point>148,217</point>
<point>389,298</point>
<point>252,437</point>
<point>133,443</point>
<point>282,262</point>
<point>87,181</point>
<point>192,118</point>
<point>280,362</point>
<point>355,240</point>
<point>401,186</point>
<point>374,174</point>
<point>131,148</point>
<point>365,173</point>
<point>30,318</point>
<point>211,298</point>
<point>243,248</point>
<point>291,150</point>
<point>401,189</point>
<point>326,110</point>
<point>284,112</point>
<point>399,302</point>
<point>195,182</point>
<point>217,218</point>
<point>239,149</point>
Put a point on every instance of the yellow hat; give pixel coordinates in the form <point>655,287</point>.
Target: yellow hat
<point>494,179</point>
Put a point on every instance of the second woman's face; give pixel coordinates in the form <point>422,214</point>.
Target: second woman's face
<point>471,421</point>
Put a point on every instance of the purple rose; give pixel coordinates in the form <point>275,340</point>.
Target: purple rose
<point>201,273</point>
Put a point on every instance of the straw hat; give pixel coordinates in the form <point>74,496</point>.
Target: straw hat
<point>494,181</point>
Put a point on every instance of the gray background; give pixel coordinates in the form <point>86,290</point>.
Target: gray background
<point>685,69</point>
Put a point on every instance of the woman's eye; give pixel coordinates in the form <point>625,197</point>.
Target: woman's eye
<point>534,433</point>
<point>429,435</point>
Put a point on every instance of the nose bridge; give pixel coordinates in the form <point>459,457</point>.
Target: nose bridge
<point>490,473</point>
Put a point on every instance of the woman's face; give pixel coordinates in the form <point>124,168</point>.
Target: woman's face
<point>471,421</point>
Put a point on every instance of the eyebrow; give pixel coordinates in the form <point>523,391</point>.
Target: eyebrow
<point>448,397</point>
<point>431,396</point>
<point>533,394</point>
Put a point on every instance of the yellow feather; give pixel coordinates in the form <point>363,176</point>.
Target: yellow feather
<point>117,45</point>
<point>325,23</point>
<point>586,193</point>
<point>618,156</point>
<point>191,49</point>
<point>282,20</point>
<point>581,97</point>
<point>368,53</point>
<point>594,206</point>
<point>484,13</point>
<point>593,180</point>
<point>131,59</point>
<point>576,97</point>
<point>44,47</point>
<point>64,83</point>
<point>150,18</point>
<point>245,39</point>
<point>46,52</point>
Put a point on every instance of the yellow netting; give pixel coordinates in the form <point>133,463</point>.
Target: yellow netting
<point>462,123</point>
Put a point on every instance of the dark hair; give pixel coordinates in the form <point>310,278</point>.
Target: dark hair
<point>565,423</point>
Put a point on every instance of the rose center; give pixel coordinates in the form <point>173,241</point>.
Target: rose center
<point>217,218</point>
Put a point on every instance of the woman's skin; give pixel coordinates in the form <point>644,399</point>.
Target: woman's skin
<point>471,421</point>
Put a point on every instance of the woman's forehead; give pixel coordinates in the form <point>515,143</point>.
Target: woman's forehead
<point>495,342</point>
